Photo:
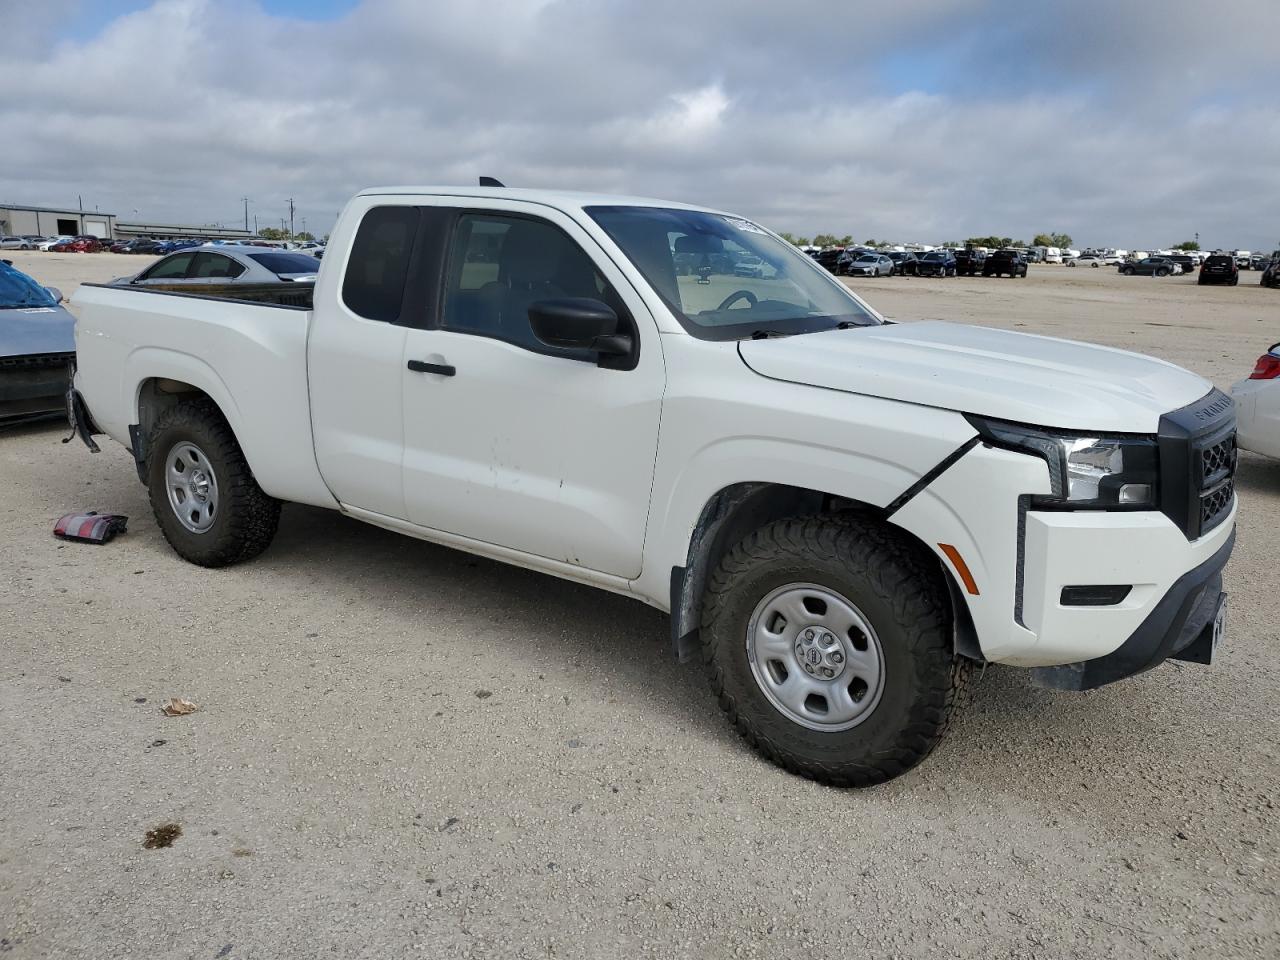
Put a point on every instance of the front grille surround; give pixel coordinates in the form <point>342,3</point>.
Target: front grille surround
<point>1197,463</point>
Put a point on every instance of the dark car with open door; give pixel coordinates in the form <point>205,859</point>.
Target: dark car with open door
<point>904,262</point>
<point>1004,261</point>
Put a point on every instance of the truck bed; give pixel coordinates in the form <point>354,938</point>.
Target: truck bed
<point>242,345</point>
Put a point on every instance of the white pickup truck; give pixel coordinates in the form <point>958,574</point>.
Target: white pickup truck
<point>841,514</point>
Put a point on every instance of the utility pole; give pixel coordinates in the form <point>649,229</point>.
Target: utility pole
<point>255,225</point>
<point>304,224</point>
<point>291,218</point>
<point>246,214</point>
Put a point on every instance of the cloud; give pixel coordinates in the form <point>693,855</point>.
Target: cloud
<point>923,121</point>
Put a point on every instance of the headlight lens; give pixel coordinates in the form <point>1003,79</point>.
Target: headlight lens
<point>1099,471</point>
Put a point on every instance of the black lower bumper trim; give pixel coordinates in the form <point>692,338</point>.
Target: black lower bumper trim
<point>1178,623</point>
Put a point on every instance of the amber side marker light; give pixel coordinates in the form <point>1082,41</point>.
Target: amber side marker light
<point>962,568</point>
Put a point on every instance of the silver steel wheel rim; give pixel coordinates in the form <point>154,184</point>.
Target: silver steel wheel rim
<point>192,486</point>
<point>816,657</point>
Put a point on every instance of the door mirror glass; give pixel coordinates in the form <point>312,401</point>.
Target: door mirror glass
<point>579,322</point>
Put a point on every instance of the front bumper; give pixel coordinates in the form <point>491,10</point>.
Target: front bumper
<point>1180,626</point>
<point>1021,559</point>
<point>32,387</point>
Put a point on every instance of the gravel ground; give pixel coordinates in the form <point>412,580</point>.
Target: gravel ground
<point>402,750</point>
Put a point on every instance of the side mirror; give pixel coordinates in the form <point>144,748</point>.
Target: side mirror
<point>55,293</point>
<point>579,322</point>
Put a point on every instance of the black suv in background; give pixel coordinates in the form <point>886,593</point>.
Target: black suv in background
<point>829,259</point>
<point>1005,261</point>
<point>1219,268</point>
<point>904,262</point>
<point>1188,263</point>
<point>936,263</point>
<point>970,262</point>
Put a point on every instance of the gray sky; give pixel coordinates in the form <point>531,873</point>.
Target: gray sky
<point>1127,124</point>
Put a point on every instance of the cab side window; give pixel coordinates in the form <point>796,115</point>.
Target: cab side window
<point>500,265</point>
<point>378,267</point>
<point>215,265</point>
<point>170,268</point>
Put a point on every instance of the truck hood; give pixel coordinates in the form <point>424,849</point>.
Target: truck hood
<point>996,373</point>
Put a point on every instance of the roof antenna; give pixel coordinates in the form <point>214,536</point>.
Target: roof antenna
<point>491,182</point>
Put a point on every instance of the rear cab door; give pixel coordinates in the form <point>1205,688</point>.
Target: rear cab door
<point>363,303</point>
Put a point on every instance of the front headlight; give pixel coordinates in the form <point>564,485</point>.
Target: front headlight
<point>1098,471</point>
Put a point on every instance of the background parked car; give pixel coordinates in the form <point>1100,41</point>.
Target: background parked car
<point>1242,257</point>
<point>970,261</point>
<point>1185,260</point>
<point>1086,260</point>
<point>1005,261</point>
<point>37,346</point>
<point>50,242</point>
<point>748,266</point>
<point>78,245</point>
<point>171,246</point>
<point>1258,406</point>
<point>830,258</point>
<point>936,263</point>
<point>16,243</point>
<point>1271,273</point>
<point>871,265</point>
<point>1148,267</point>
<point>1259,261</point>
<point>226,265</point>
<point>1219,268</point>
<point>904,262</point>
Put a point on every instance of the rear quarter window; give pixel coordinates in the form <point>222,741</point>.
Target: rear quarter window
<point>378,267</point>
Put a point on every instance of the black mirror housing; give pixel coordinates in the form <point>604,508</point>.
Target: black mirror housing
<point>572,322</point>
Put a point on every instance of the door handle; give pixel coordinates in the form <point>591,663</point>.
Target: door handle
<point>441,369</point>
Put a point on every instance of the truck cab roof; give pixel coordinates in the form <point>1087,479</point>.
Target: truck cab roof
<point>559,199</point>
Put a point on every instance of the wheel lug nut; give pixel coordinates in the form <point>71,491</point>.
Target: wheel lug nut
<point>837,657</point>
<point>808,634</point>
<point>828,672</point>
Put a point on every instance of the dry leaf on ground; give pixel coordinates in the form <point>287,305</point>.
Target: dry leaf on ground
<point>177,707</point>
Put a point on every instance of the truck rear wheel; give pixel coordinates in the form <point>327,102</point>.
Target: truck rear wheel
<point>829,645</point>
<point>203,494</point>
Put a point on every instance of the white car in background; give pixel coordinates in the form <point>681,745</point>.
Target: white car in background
<point>1087,260</point>
<point>1258,406</point>
<point>16,243</point>
<point>47,244</point>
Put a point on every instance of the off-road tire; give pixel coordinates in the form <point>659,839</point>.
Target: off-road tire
<point>247,517</point>
<point>901,591</point>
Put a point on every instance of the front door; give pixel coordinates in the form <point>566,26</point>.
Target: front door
<point>514,443</point>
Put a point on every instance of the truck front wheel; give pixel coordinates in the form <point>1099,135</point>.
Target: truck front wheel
<point>203,494</point>
<point>829,645</point>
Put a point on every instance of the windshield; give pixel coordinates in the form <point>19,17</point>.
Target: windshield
<point>688,256</point>
<point>17,290</point>
<point>935,256</point>
<point>281,263</point>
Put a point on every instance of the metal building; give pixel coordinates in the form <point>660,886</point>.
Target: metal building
<point>162,230</point>
<point>20,219</point>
